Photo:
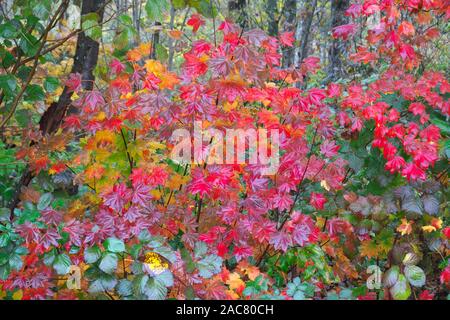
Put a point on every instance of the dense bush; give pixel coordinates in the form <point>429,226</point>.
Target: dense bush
<point>362,180</point>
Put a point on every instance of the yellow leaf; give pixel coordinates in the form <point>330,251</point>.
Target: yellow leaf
<point>371,249</point>
<point>17,295</point>
<point>168,80</point>
<point>324,184</point>
<point>437,223</point>
<point>155,263</point>
<point>235,282</point>
<point>428,228</point>
<point>405,227</point>
<point>153,66</point>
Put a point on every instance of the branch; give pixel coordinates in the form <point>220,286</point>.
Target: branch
<point>59,12</point>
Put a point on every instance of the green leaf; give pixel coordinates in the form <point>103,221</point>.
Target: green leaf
<point>4,271</point>
<point>139,283</point>
<point>391,276</point>
<point>92,254</point>
<point>23,117</point>
<point>109,263</point>
<point>125,288</point>
<point>178,4</point>
<point>200,249</point>
<point>105,282</point>
<point>49,257</point>
<point>165,277</point>
<point>4,239</point>
<point>51,84</point>
<point>44,201</point>
<point>90,26</point>
<point>8,30</point>
<point>29,44</point>
<point>161,53</point>
<point>189,263</point>
<point>209,266</point>
<point>155,290</point>
<point>156,8</point>
<point>401,290</point>
<point>34,93</point>
<point>15,262</point>
<point>62,264</point>
<point>415,275</point>
<point>8,83</point>
<point>442,124</point>
<point>167,253</point>
<point>114,245</point>
<point>4,258</point>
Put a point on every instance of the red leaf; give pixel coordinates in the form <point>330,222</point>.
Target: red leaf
<point>344,31</point>
<point>287,38</point>
<point>195,21</point>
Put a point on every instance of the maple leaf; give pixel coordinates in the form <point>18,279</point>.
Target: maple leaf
<point>282,201</point>
<point>370,249</point>
<point>57,168</point>
<point>263,230</point>
<point>317,200</point>
<point>175,34</point>
<point>445,275</point>
<point>395,164</point>
<point>281,240</point>
<point>168,80</point>
<point>363,55</point>
<point>118,197</point>
<point>446,232</point>
<point>287,38</point>
<point>141,195</point>
<point>74,82</point>
<point>413,172</point>
<point>198,183</point>
<point>93,99</point>
<point>406,28</point>
<point>235,282</point>
<point>405,227</point>
<point>227,26</point>
<point>417,108</point>
<point>95,171</point>
<point>354,10</point>
<point>242,252</point>
<point>329,148</point>
<point>49,238</point>
<point>344,31</point>
<point>407,52</point>
<point>116,66</point>
<point>195,21</point>
<point>426,295</point>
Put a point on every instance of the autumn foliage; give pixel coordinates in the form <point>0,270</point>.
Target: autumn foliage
<point>362,178</point>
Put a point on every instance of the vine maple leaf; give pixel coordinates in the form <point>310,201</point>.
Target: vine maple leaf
<point>195,21</point>
<point>118,197</point>
<point>317,200</point>
<point>281,240</point>
<point>287,38</point>
<point>405,227</point>
<point>344,31</point>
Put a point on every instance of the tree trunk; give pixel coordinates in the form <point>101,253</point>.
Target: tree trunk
<point>338,46</point>
<point>85,60</point>
<point>238,13</point>
<point>310,9</point>
<point>272,13</point>
<point>290,14</point>
<point>155,40</point>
